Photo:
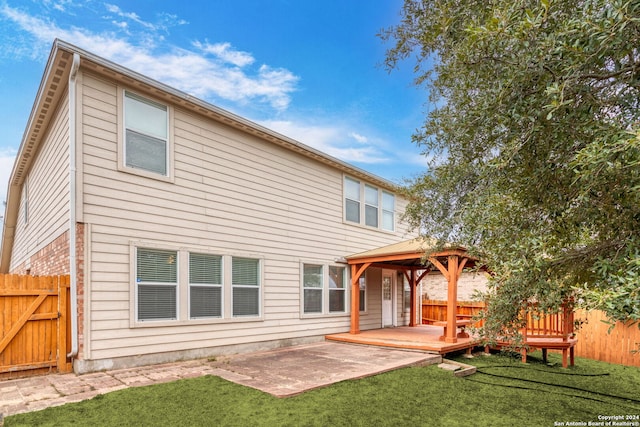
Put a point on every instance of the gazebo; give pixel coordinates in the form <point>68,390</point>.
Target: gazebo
<point>415,260</point>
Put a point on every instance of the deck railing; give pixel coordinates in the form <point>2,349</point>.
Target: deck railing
<point>436,310</point>
<point>595,340</point>
<point>551,325</point>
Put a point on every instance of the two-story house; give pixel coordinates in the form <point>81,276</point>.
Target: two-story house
<point>187,231</point>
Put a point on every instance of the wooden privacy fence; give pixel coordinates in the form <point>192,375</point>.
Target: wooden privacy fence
<point>33,324</point>
<point>436,310</point>
<point>595,342</point>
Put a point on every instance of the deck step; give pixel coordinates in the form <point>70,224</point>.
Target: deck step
<point>458,369</point>
<point>449,366</point>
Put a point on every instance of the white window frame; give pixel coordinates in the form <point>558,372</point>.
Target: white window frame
<point>371,204</point>
<point>342,290</point>
<point>326,289</point>
<point>183,287</point>
<point>258,286</point>
<point>365,204</point>
<point>362,285</point>
<point>312,288</point>
<point>352,200</point>
<point>220,286</point>
<point>384,211</point>
<point>175,285</point>
<point>122,139</point>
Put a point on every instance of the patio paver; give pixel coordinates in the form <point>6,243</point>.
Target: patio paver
<point>282,372</point>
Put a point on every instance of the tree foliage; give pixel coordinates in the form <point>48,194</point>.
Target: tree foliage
<point>535,145</point>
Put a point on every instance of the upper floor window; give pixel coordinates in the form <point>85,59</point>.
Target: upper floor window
<point>370,206</point>
<point>352,200</point>
<point>378,209</point>
<point>388,209</point>
<point>146,134</point>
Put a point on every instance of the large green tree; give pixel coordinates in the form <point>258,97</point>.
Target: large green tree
<point>534,139</point>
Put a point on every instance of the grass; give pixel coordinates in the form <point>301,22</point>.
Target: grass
<point>503,393</point>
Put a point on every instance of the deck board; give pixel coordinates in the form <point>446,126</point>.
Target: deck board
<point>421,337</point>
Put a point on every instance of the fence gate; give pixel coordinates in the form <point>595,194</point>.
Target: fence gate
<point>33,324</point>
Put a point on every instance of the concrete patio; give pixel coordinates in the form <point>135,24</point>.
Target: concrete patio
<point>282,372</point>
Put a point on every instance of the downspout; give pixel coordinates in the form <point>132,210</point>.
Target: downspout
<point>73,271</point>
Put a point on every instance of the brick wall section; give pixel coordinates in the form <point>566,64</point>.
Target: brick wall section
<point>434,286</point>
<point>53,260</point>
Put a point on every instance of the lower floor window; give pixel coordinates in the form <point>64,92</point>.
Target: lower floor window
<point>336,289</point>
<point>246,286</point>
<point>213,286</point>
<point>362,283</point>
<point>205,286</point>
<point>156,284</point>
<point>312,284</point>
<point>407,291</point>
<point>157,302</point>
<point>323,289</point>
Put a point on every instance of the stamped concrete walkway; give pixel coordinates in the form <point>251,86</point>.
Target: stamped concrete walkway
<point>282,372</point>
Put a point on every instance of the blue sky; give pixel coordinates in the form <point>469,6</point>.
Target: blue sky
<point>308,69</point>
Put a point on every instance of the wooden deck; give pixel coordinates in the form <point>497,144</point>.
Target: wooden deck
<point>421,337</point>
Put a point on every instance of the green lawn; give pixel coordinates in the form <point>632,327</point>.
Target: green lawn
<point>505,392</point>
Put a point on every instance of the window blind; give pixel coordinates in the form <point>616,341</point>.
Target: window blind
<point>246,301</point>
<point>157,266</point>
<point>146,152</point>
<point>352,199</point>
<point>245,271</point>
<point>156,302</point>
<point>205,269</point>
<point>146,128</point>
<point>205,301</point>
<point>156,277</point>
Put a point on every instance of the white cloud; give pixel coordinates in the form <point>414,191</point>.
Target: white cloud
<point>360,138</point>
<point>332,139</point>
<point>190,71</point>
<point>61,5</point>
<point>226,53</point>
<point>129,15</point>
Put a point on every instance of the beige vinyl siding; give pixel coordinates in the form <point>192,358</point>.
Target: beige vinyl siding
<point>233,195</point>
<point>372,318</point>
<point>48,188</point>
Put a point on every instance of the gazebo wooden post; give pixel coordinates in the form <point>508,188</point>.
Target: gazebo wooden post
<point>452,299</point>
<point>355,300</point>
<point>412,286</point>
<point>357,270</point>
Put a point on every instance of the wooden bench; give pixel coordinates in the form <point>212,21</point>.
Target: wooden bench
<point>567,346</point>
<point>550,331</point>
<point>462,324</point>
<point>428,321</point>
